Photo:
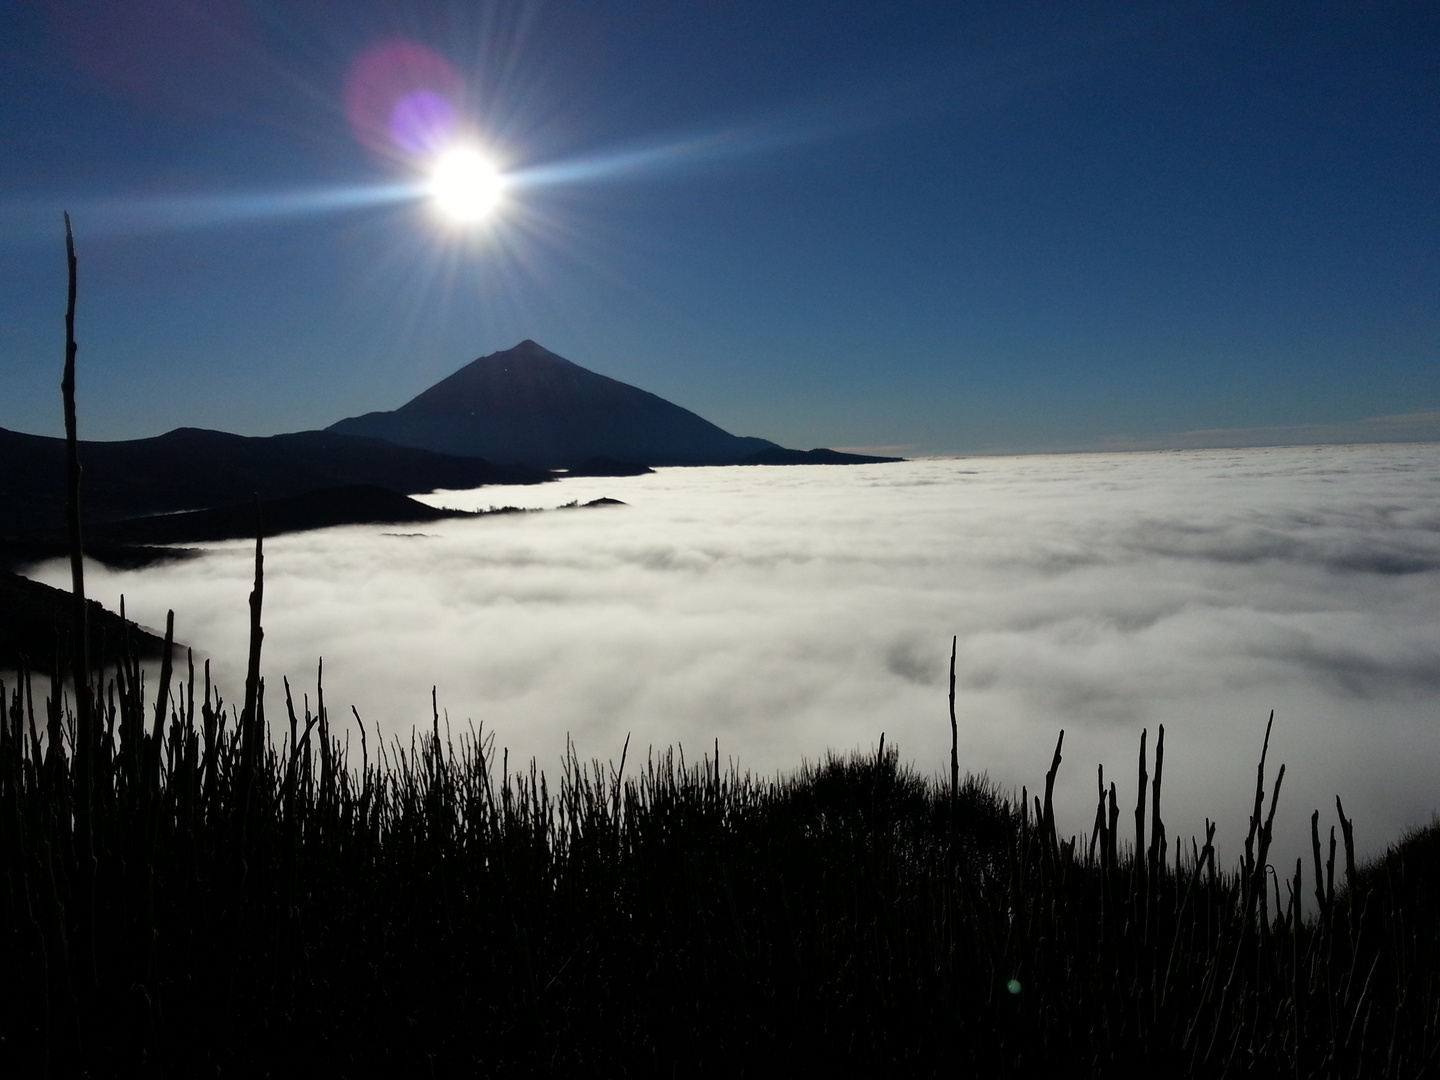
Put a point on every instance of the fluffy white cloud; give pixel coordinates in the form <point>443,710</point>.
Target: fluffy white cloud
<point>791,610</point>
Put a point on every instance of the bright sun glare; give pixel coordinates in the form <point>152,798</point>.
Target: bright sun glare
<point>465,186</point>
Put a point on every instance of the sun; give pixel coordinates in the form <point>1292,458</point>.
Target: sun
<point>465,186</point>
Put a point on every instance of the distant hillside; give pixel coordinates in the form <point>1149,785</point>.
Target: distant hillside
<point>354,504</point>
<point>778,455</point>
<point>529,405</point>
<point>191,469</point>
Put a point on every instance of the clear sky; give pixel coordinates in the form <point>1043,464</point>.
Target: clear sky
<point>937,226</point>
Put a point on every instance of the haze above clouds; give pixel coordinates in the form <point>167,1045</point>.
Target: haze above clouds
<point>788,611</point>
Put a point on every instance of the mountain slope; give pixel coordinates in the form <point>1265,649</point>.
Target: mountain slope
<point>529,405</point>
<point>350,504</point>
<point>191,469</point>
<point>35,623</point>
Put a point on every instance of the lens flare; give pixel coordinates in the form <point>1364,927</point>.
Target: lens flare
<point>464,185</point>
<point>402,99</point>
<point>423,123</point>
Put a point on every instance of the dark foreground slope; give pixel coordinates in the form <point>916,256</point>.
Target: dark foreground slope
<point>192,469</point>
<point>215,904</point>
<point>528,404</point>
<point>35,622</point>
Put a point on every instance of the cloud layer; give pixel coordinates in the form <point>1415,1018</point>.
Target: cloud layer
<point>791,610</point>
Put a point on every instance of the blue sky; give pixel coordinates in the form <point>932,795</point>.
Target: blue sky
<point>948,227</point>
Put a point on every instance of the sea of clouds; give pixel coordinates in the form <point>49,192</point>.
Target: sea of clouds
<point>787,611</point>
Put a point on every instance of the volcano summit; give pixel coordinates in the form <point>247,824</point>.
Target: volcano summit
<point>529,405</point>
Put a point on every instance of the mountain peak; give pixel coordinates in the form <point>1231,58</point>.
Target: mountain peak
<point>526,350</point>
<point>529,404</point>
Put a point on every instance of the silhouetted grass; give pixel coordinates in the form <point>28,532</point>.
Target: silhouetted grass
<point>340,904</point>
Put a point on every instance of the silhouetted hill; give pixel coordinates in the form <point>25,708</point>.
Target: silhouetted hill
<point>190,469</point>
<point>354,504</point>
<point>18,554</point>
<point>603,466</point>
<point>778,455</point>
<point>35,620</point>
<point>529,405</point>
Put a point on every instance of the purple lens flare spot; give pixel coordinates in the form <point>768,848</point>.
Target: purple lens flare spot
<point>402,99</point>
<point>422,122</point>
